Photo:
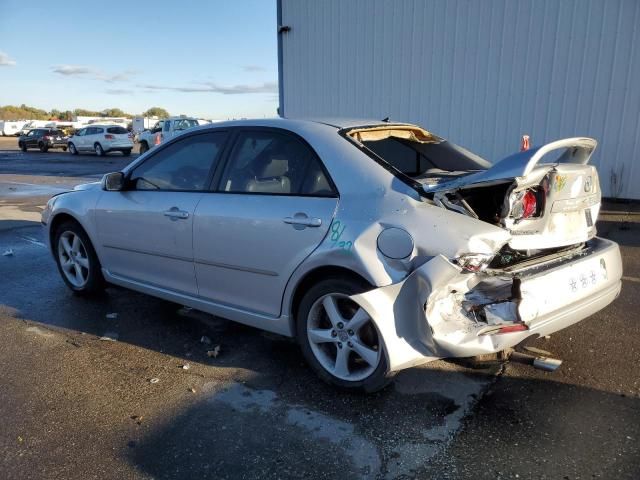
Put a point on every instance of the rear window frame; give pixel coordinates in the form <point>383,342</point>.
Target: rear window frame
<point>414,184</point>
<point>123,132</point>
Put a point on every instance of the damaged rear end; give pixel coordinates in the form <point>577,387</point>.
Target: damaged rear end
<point>551,272</point>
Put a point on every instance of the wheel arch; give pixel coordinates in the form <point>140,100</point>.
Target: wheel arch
<point>312,277</point>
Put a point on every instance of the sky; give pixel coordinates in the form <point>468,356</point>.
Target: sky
<point>212,59</point>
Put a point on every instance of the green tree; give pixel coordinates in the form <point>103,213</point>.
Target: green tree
<point>23,112</point>
<point>114,112</point>
<point>87,113</point>
<point>156,112</point>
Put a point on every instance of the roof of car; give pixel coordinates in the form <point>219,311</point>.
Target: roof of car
<point>334,122</point>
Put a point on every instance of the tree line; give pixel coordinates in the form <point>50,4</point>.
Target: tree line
<point>25,112</point>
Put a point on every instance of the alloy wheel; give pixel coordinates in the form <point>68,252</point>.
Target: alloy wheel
<point>343,338</point>
<point>73,259</point>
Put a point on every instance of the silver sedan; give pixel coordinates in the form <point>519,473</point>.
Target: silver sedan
<point>378,245</point>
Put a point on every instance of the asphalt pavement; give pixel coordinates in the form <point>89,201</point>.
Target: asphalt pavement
<point>127,386</point>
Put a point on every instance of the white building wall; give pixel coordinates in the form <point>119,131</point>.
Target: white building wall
<point>481,73</point>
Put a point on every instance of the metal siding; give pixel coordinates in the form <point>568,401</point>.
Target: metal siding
<point>480,73</point>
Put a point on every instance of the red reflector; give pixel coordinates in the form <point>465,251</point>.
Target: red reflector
<point>529,205</point>
<point>513,328</point>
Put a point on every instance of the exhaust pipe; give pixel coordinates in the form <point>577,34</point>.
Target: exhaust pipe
<point>541,363</point>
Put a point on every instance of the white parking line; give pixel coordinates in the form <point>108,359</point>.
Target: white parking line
<point>631,279</point>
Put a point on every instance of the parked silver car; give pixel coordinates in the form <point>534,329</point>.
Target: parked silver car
<point>380,246</point>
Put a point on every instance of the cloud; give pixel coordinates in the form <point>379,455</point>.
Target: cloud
<point>211,87</point>
<point>253,68</point>
<point>5,60</point>
<point>92,73</point>
<point>118,91</point>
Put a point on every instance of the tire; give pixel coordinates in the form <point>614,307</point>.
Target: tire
<point>126,152</point>
<point>64,149</point>
<point>144,146</point>
<point>72,149</point>
<point>22,146</point>
<point>336,340</point>
<point>43,148</point>
<point>99,150</point>
<point>78,264</point>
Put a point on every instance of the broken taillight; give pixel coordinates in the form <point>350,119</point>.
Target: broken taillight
<point>526,205</point>
<point>529,204</point>
<point>474,262</point>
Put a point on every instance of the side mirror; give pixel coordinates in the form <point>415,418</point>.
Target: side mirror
<point>113,182</point>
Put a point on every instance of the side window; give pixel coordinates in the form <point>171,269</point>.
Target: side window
<point>267,162</point>
<point>31,133</point>
<point>182,165</point>
<point>90,131</point>
<point>98,130</point>
<point>166,126</point>
<point>81,132</point>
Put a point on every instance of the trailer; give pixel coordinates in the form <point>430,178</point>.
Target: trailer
<point>11,127</point>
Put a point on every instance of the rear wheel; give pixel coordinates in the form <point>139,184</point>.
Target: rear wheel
<point>99,150</point>
<point>77,260</point>
<point>64,149</point>
<point>72,149</point>
<point>126,152</point>
<point>22,146</point>
<point>43,147</point>
<point>144,146</point>
<point>339,339</point>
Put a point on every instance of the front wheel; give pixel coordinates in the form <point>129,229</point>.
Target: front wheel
<point>144,146</point>
<point>72,149</point>
<point>77,260</point>
<point>339,339</point>
<point>99,150</point>
<point>43,147</point>
<point>22,146</point>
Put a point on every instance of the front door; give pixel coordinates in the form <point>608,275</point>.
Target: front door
<point>273,208</point>
<point>146,231</point>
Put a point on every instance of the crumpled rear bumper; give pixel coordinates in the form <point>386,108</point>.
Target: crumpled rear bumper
<point>431,314</point>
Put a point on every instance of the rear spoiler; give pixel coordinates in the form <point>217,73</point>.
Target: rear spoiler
<point>577,150</point>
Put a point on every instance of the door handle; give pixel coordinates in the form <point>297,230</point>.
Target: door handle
<point>175,214</point>
<point>301,219</point>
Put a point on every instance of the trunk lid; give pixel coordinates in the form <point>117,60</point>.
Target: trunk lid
<point>553,185</point>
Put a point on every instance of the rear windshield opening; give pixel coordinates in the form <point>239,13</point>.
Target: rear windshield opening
<point>416,152</point>
<point>117,130</point>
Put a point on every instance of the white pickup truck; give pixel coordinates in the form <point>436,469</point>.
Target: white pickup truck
<point>164,130</point>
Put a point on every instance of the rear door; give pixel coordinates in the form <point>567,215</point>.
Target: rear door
<point>146,231</point>
<point>273,207</point>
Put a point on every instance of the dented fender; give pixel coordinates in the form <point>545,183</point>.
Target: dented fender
<point>398,311</point>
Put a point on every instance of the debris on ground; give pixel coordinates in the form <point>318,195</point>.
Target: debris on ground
<point>154,380</point>
<point>206,340</point>
<point>111,316</point>
<point>137,419</point>
<point>214,353</point>
<point>186,366</point>
<point>192,390</point>
<point>109,337</point>
<point>8,253</point>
